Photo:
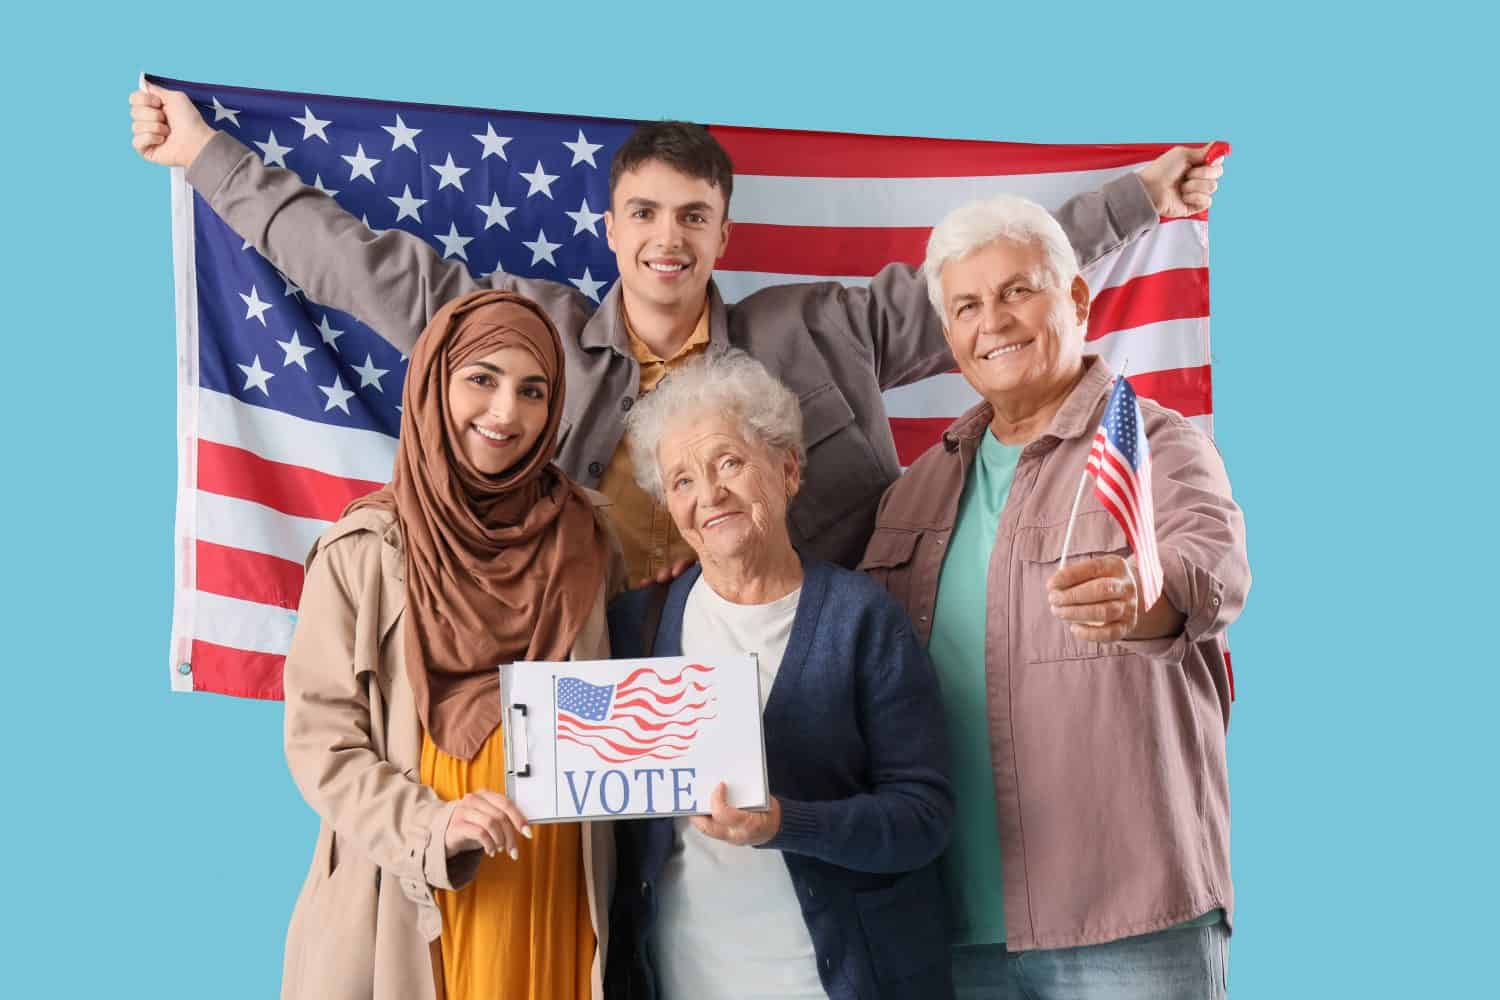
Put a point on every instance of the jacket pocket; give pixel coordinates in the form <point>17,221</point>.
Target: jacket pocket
<point>888,561</point>
<point>842,475</point>
<point>905,926</point>
<point>1039,551</point>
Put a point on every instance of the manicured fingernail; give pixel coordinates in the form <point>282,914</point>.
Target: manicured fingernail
<point>526,831</point>
<point>515,855</point>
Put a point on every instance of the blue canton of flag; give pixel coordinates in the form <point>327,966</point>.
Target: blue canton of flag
<point>585,700</point>
<point>501,191</point>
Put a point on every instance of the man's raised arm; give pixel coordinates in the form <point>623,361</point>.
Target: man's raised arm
<point>391,281</point>
<point>895,321</point>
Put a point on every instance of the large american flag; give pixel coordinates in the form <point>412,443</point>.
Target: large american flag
<point>287,410</point>
<point>1120,462</point>
<point>646,715</point>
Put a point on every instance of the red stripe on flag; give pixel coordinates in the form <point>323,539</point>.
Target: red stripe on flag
<point>1181,293</point>
<point>784,153</point>
<point>291,489</point>
<point>238,672</point>
<point>248,576</point>
<point>1189,391</point>
<point>915,435</point>
<point>833,251</point>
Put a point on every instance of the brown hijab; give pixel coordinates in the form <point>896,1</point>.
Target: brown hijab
<point>498,568</point>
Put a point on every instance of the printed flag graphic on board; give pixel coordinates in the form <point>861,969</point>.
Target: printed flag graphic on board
<point>288,410</point>
<point>646,715</point>
<point>1120,461</point>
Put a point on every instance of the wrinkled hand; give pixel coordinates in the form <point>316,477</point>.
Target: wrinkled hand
<point>1180,183</point>
<point>738,826</point>
<point>165,126</point>
<point>667,574</point>
<point>486,821</point>
<point>1096,598</point>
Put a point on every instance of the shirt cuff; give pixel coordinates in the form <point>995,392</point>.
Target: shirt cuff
<point>440,870</point>
<point>800,829</point>
<point>211,167</point>
<point>1130,207</point>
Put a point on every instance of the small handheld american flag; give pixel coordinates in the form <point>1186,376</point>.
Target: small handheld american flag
<point>1120,462</point>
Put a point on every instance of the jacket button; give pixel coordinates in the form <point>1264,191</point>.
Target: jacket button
<point>922,619</point>
<point>811,893</point>
<point>595,468</point>
<point>627,403</point>
<point>645,888</point>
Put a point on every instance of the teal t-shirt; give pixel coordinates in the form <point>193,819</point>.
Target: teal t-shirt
<point>972,870</point>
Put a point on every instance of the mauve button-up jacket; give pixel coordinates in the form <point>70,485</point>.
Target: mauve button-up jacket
<point>1110,777</point>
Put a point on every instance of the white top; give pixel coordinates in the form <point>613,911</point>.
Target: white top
<point>728,923</point>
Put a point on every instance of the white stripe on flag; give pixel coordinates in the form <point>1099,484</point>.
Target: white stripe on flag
<point>896,201</point>
<point>346,452</point>
<point>244,524</point>
<point>259,628</point>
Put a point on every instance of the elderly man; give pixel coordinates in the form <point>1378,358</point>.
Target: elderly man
<point>1090,853</point>
<point>668,223</point>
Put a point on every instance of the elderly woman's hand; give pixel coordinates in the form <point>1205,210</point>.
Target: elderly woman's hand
<point>1097,598</point>
<point>738,826</point>
<point>485,821</point>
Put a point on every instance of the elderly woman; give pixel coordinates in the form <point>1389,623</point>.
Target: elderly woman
<point>1091,843</point>
<point>426,881</point>
<point>832,891</point>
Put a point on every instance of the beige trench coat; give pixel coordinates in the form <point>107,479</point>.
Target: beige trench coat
<point>366,924</point>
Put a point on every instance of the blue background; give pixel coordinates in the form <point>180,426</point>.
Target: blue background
<point>154,844</point>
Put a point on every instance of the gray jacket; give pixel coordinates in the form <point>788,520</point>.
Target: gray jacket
<point>836,347</point>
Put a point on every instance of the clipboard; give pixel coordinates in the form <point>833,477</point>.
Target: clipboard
<point>632,738</point>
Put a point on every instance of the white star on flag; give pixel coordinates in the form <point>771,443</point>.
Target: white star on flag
<point>361,165</point>
<point>492,143</point>
<point>541,249</point>
<point>337,396</point>
<point>291,287</point>
<point>587,285</point>
<point>295,351</point>
<point>584,220</point>
<point>539,180</point>
<point>312,125</point>
<point>329,333</point>
<point>256,377</point>
<point>318,183</point>
<point>496,214</point>
<point>450,173</point>
<point>221,112</point>
<point>273,152</point>
<point>583,150</point>
<point>366,220</point>
<point>454,243</point>
<point>408,207</point>
<point>254,307</point>
<point>401,135</point>
<point>369,374</point>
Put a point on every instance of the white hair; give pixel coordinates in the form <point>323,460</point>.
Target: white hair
<point>980,223</point>
<point>728,382</point>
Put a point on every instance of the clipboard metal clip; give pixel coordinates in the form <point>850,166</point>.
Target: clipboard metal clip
<point>517,743</point>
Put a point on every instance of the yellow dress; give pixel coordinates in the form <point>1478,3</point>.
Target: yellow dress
<point>521,929</point>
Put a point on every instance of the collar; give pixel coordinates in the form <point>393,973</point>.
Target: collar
<point>608,328</point>
<point>1075,418</point>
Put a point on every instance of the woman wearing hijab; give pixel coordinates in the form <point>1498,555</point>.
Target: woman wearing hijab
<point>427,881</point>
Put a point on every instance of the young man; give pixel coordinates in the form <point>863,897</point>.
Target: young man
<point>668,223</point>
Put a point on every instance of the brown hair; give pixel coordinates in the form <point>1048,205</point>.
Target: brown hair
<point>683,146</point>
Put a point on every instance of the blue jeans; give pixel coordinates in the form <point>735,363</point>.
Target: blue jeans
<point>1181,963</point>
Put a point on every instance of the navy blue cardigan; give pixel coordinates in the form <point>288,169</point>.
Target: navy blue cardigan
<point>857,754</point>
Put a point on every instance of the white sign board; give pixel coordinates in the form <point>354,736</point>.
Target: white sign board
<point>617,739</point>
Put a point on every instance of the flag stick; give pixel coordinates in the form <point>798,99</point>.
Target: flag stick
<point>1077,498</point>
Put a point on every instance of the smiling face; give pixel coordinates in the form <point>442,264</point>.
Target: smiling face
<point>498,407</point>
<point>728,496</point>
<point>1014,333</point>
<point>667,230</point>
